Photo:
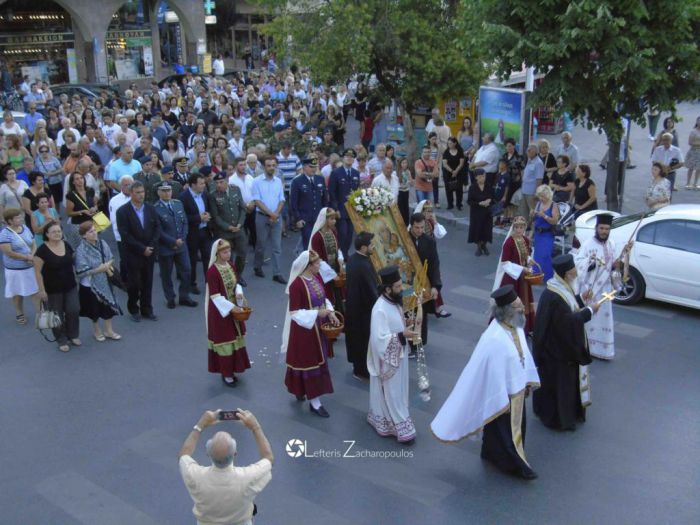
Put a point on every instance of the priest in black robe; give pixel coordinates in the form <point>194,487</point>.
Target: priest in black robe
<point>560,349</point>
<point>427,251</point>
<point>362,292</point>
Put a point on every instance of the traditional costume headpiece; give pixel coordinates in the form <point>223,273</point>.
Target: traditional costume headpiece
<point>519,220</point>
<point>504,295</point>
<point>563,263</point>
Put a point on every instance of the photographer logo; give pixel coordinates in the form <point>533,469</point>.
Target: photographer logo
<point>295,448</point>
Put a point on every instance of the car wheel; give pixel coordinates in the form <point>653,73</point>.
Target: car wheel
<point>633,290</point>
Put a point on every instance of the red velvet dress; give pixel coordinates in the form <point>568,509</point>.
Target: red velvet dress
<point>325,244</point>
<point>307,350</point>
<point>518,252</point>
<point>226,336</point>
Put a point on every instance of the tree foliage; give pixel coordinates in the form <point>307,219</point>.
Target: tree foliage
<point>602,59</point>
<point>416,48</point>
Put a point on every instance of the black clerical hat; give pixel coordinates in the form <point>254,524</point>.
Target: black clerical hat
<point>504,295</point>
<point>563,263</point>
<point>604,218</point>
<point>389,275</point>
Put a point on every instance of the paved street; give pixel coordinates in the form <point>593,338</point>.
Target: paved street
<point>91,437</point>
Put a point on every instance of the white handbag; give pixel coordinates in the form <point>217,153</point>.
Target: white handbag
<point>47,320</point>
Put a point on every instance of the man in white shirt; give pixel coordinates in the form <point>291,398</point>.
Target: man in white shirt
<point>109,128</point>
<point>218,66</point>
<point>223,492</point>
<point>130,134</point>
<point>376,163</point>
<point>569,149</point>
<point>486,158</point>
<point>387,179</point>
<point>66,123</point>
<point>115,203</point>
<point>670,156</point>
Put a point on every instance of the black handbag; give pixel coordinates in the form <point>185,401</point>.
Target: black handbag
<point>116,278</point>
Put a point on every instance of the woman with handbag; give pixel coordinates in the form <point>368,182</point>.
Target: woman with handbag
<point>93,266</point>
<point>80,206</point>
<point>480,198</point>
<point>546,216</point>
<point>452,166</point>
<point>53,266</point>
<point>17,245</point>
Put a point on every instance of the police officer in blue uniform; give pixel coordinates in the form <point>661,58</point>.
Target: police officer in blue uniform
<point>307,195</point>
<point>343,180</point>
<point>172,245</point>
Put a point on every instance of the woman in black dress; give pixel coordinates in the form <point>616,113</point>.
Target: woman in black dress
<point>80,207</point>
<point>479,198</point>
<point>584,198</point>
<point>452,166</point>
<point>547,158</point>
<point>562,180</point>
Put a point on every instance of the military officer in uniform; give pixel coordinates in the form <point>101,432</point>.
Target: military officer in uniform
<point>307,195</point>
<point>343,180</point>
<point>182,173</point>
<point>149,178</point>
<point>228,212</point>
<point>166,175</point>
<point>172,245</point>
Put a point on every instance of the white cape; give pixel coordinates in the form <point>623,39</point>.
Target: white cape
<point>482,393</point>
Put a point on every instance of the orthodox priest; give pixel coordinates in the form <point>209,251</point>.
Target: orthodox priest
<point>595,262</point>
<point>361,285</point>
<point>560,349</point>
<point>490,394</point>
<point>514,265</point>
<point>387,361</point>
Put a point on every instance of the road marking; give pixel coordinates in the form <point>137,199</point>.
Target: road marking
<point>89,503</point>
<point>632,330</point>
<point>471,291</point>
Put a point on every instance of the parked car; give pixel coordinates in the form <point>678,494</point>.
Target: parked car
<point>665,258</point>
<point>178,78</point>
<point>91,91</point>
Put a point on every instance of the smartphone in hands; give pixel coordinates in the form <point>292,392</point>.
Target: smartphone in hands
<point>228,415</point>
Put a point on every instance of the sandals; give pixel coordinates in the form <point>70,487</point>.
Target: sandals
<point>76,342</point>
<point>688,187</point>
<point>99,338</point>
<point>21,319</point>
<point>64,348</point>
<point>114,336</point>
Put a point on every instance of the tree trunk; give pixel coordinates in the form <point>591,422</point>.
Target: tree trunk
<point>409,135</point>
<point>614,176</point>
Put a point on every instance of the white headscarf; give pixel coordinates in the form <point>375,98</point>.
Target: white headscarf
<point>499,269</point>
<point>320,223</point>
<point>298,266</point>
<point>212,260</point>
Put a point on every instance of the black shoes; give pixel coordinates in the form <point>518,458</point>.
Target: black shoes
<point>301,398</point>
<point>195,290</point>
<point>242,282</point>
<point>320,411</point>
<point>258,272</point>
<point>150,317</point>
<point>361,378</point>
<point>188,302</point>
<point>135,318</point>
<point>478,251</point>
<point>527,473</point>
<point>171,304</point>
<point>232,384</point>
<point>485,250</point>
<point>279,279</point>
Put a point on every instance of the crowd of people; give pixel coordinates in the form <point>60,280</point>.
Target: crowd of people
<point>194,175</point>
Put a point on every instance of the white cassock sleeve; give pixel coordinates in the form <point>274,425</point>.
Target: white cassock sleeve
<point>305,318</point>
<point>513,270</point>
<point>439,231</point>
<point>327,273</point>
<point>341,257</point>
<point>223,305</point>
<point>329,306</point>
<point>239,289</point>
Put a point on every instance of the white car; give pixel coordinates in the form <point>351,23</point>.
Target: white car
<point>665,258</point>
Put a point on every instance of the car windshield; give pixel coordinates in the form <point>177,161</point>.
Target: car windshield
<point>621,221</point>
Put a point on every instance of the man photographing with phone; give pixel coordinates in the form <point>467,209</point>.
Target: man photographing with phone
<point>223,492</point>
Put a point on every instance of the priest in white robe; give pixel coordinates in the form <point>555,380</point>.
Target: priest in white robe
<point>489,397</point>
<point>387,362</point>
<point>595,262</point>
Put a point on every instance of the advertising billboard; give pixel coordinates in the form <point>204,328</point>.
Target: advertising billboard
<point>502,113</point>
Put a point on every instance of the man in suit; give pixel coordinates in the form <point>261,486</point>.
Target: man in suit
<point>228,213</point>
<point>427,251</point>
<point>139,228</point>
<point>172,248</point>
<point>342,182</point>
<point>307,196</point>
<point>199,238</point>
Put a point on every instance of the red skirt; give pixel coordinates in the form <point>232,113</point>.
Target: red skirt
<point>230,364</point>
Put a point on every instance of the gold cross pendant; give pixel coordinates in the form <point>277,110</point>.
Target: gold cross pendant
<point>607,297</point>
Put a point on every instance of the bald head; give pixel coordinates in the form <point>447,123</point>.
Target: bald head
<point>221,449</point>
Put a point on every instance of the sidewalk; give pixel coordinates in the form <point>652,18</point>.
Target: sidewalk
<point>592,146</point>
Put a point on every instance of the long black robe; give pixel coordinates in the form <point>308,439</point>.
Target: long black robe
<point>498,448</point>
<point>427,251</point>
<point>362,292</point>
<point>559,347</point>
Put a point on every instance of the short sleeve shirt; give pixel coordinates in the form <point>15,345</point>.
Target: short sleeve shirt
<point>19,243</point>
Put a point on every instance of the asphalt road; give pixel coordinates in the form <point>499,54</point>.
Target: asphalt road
<point>91,437</point>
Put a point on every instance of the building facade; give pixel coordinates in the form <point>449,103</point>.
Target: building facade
<point>105,41</point>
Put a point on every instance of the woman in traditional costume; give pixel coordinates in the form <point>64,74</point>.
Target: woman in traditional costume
<point>437,231</point>
<point>514,265</point>
<point>303,342</point>
<point>324,241</point>
<point>225,335</point>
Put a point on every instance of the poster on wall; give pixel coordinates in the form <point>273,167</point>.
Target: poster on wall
<point>36,71</point>
<point>148,61</point>
<point>502,113</point>
<point>451,111</point>
<point>72,66</point>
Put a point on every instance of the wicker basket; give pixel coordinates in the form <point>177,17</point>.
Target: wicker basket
<point>333,332</point>
<point>243,314</point>
<point>339,280</point>
<point>535,278</point>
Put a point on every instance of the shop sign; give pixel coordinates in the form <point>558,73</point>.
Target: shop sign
<point>135,33</point>
<point>138,42</point>
<point>39,38</point>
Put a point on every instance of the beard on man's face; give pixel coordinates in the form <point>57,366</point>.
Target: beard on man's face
<point>395,297</point>
<point>519,319</point>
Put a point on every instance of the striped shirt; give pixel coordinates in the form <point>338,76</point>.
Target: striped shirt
<point>288,167</point>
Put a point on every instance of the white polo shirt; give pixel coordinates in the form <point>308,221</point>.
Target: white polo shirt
<point>245,184</point>
<point>224,496</point>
